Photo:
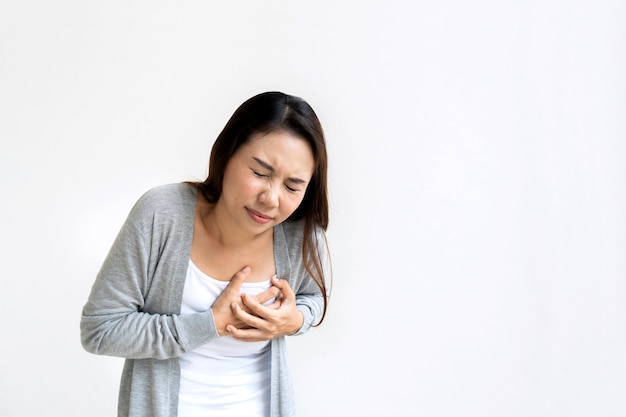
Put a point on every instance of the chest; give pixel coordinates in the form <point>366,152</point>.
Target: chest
<point>223,264</point>
<point>219,260</point>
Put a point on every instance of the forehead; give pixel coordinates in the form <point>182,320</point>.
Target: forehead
<point>281,149</point>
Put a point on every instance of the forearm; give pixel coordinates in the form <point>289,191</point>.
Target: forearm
<point>143,335</point>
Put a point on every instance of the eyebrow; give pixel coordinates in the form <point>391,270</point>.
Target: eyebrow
<point>271,169</point>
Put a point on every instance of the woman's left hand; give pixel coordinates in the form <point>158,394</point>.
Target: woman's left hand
<point>267,322</point>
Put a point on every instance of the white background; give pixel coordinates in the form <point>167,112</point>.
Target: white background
<point>478,186</point>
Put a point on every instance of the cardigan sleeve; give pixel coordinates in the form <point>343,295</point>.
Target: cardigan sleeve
<point>309,299</point>
<point>311,308</point>
<point>130,312</point>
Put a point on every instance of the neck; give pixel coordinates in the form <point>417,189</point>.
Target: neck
<point>220,226</point>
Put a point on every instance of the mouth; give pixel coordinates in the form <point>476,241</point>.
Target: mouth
<point>258,216</point>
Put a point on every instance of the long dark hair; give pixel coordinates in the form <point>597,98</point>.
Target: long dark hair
<point>270,112</point>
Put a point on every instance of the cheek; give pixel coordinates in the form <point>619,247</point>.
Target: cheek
<point>248,186</point>
<point>292,202</point>
<point>239,186</point>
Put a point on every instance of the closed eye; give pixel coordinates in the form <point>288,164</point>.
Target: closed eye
<point>258,174</point>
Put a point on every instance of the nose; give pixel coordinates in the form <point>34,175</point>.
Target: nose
<point>269,197</point>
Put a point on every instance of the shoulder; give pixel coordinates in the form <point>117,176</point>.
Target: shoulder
<point>166,197</point>
<point>293,231</point>
<point>170,194</point>
<point>164,205</point>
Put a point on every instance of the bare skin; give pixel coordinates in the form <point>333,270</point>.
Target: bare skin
<point>245,318</point>
<point>267,322</point>
<point>263,184</point>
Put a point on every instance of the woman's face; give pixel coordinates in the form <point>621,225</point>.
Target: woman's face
<point>265,180</point>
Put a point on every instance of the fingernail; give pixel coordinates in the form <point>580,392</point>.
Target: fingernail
<point>229,329</point>
<point>246,269</point>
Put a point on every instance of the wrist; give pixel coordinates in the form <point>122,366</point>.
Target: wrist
<point>218,322</point>
<point>297,322</point>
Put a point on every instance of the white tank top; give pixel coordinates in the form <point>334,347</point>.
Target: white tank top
<point>225,377</point>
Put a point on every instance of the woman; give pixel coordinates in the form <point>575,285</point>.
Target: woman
<point>205,279</point>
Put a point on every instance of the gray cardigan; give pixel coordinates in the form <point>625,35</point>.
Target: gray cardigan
<point>133,310</point>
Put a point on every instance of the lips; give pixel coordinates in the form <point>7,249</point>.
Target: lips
<point>258,216</point>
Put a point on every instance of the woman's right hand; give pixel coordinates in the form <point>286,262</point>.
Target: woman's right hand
<point>222,308</point>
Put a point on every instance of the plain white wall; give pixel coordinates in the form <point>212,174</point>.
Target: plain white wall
<point>478,177</point>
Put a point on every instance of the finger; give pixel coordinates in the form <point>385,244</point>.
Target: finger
<point>275,305</point>
<point>252,318</point>
<point>267,295</point>
<point>248,335</point>
<point>222,313</point>
<point>234,286</point>
<point>254,307</point>
<point>286,291</point>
